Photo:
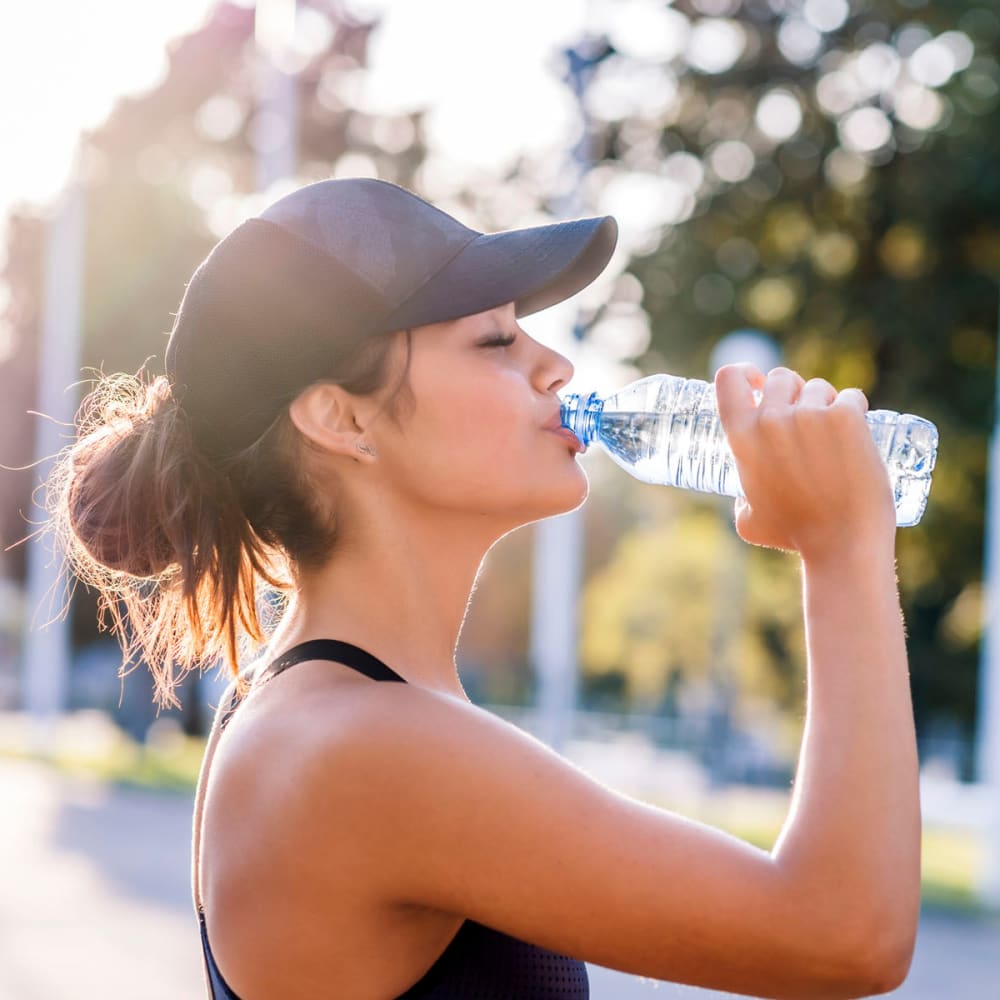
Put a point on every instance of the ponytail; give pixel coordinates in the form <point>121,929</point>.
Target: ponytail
<point>180,547</point>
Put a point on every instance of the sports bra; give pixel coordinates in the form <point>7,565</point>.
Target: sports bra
<point>479,963</point>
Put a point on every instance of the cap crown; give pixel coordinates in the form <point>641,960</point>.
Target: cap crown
<point>388,236</point>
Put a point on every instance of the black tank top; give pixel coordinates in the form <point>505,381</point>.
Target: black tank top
<point>480,963</point>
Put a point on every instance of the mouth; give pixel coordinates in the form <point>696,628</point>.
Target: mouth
<point>569,437</point>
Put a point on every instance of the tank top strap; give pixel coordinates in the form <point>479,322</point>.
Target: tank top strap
<point>340,652</point>
<point>345,653</point>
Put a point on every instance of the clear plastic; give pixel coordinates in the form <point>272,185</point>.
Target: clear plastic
<point>666,430</point>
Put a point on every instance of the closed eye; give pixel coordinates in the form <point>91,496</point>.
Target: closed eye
<point>498,340</point>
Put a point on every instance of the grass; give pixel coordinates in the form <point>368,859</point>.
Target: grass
<point>950,861</point>
<point>170,766</point>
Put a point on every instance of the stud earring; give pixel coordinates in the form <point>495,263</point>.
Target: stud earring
<point>365,448</point>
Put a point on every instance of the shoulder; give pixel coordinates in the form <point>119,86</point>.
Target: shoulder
<point>405,798</point>
<point>309,731</point>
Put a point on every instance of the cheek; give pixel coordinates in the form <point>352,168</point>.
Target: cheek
<point>482,439</point>
<point>488,415</point>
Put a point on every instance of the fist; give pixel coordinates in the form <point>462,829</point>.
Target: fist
<point>812,477</point>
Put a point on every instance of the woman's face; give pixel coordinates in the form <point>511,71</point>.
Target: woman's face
<point>478,438</point>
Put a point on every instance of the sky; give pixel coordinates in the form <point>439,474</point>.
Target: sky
<point>63,64</point>
<point>53,83</point>
<point>487,75</point>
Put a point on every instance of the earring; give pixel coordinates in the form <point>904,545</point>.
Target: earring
<point>365,448</point>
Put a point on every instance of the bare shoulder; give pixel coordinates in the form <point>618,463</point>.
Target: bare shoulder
<point>444,805</point>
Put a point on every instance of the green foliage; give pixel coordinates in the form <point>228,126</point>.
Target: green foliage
<point>684,599</point>
<point>869,247</point>
<point>168,174</point>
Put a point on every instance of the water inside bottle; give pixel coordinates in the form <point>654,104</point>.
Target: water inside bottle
<point>908,446</point>
<point>666,431</point>
<point>686,448</point>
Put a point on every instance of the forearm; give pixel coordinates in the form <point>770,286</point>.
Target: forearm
<point>852,838</point>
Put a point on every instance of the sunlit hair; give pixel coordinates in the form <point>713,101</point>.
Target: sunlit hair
<point>182,549</point>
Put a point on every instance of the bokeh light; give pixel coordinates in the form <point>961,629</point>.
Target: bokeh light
<point>716,44</point>
<point>826,15</point>
<point>779,114</point>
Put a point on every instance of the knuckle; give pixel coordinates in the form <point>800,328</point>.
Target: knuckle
<point>852,397</point>
<point>811,413</point>
<point>770,419</point>
<point>786,373</point>
<point>845,416</point>
<point>820,385</point>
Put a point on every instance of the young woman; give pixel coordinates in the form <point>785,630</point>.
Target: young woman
<point>353,415</point>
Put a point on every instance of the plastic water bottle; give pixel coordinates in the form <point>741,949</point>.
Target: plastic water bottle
<point>666,430</point>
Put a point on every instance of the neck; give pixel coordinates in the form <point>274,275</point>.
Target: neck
<point>399,590</point>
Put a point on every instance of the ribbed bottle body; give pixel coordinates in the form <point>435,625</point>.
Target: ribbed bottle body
<point>666,430</point>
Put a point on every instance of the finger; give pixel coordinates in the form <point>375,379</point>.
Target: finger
<point>817,392</point>
<point>852,397</point>
<point>734,393</point>
<point>782,386</point>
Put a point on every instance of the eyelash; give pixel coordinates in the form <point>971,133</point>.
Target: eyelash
<point>499,340</point>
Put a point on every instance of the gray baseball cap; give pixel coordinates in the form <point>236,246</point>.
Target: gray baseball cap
<point>291,292</point>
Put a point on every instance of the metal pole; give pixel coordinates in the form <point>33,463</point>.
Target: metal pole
<point>763,352</point>
<point>555,596</point>
<point>988,701</point>
<point>47,647</point>
<point>559,540</point>
<point>275,134</point>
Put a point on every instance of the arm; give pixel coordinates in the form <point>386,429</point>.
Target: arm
<point>443,805</point>
<point>854,825</point>
<point>420,800</point>
<point>815,484</point>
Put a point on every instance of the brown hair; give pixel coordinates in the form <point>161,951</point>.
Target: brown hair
<point>179,546</point>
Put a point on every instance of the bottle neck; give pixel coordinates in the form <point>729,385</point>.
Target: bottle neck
<point>582,415</point>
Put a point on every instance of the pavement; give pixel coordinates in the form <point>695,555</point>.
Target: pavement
<point>95,902</point>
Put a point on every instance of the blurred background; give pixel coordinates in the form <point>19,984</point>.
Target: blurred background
<point>819,177</point>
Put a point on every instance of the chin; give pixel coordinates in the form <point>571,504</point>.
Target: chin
<point>567,499</point>
<point>558,495</point>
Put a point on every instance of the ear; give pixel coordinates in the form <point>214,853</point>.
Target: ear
<point>332,418</point>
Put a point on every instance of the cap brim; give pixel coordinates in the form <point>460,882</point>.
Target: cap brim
<point>534,268</point>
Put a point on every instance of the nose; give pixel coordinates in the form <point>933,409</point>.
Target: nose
<point>554,370</point>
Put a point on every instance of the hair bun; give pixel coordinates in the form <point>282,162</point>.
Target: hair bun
<point>111,506</point>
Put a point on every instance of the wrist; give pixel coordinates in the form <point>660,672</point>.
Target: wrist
<point>870,553</point>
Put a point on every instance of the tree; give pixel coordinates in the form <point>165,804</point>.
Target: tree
<point>825,173</point>
<point>167,175</point>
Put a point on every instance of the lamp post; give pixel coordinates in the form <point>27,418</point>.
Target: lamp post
<point>559,540</point>
<point>47,646</point>
<point>274,139</point>
<point>275,131</point>
<point>988,700</point>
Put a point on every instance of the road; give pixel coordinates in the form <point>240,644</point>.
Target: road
<point>95,902</point>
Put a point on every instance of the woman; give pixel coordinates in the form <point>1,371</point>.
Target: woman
<point>352,414</point>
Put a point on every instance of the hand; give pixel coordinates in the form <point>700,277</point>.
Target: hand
<point>811,474</point>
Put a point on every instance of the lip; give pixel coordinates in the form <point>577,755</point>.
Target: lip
<point>569,437</point>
